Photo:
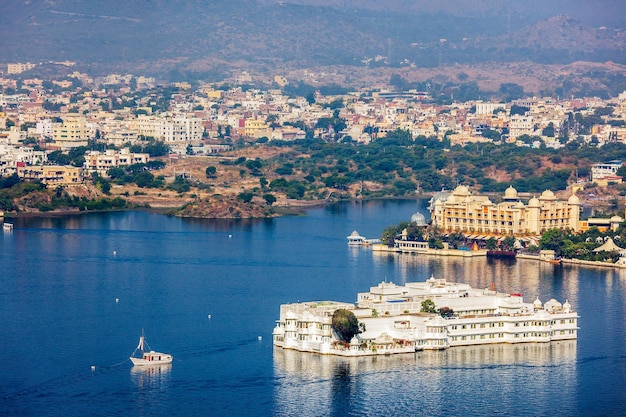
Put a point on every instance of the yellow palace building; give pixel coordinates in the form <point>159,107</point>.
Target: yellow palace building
<point>461,211</point>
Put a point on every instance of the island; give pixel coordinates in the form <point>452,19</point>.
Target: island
<point>434,314</point>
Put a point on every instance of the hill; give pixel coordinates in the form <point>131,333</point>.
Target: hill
<point>207,39</point>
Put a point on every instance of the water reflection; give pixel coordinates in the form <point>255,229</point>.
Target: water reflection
<point>151,378</point>
<point>310,384</point>
<point>531,278</point>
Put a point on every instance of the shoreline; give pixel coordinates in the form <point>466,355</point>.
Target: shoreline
<point>575,261</point>
<point>284,207</point>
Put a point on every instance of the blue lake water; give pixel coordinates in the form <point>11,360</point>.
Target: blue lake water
<point>209,293</point>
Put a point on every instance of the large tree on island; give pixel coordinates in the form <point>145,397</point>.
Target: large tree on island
<point>345,324</point>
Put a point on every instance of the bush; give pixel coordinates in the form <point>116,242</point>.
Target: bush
<point>246,196</point>
<point>345,324</point>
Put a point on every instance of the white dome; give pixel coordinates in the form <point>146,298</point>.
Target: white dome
<point>567,307</point>
<point>419,219</point>
<point>552,305</point>
<point>439,197</point>
<point>537,304</point>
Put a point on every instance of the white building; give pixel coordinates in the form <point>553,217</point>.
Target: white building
<point>44,128</point>
<point>102,162</point>
<point>10,156</point>
<point>609,169</point>
<point>521,125</point>
<point>488,108</point>
<point>394,322</point>
<point>179,130</point>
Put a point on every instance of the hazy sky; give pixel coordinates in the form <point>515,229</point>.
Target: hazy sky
<point>592,12</point>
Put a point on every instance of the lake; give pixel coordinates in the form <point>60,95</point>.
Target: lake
<point>76,292</point>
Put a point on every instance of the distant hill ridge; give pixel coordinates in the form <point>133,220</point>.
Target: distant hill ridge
<point>205,36</point>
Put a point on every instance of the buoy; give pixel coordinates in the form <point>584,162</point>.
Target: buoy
<point>209,316</point>
<point>229,236</point>
<point>93,367</point>
<point>260,338</point>
<point>117,300</point>
<point>114,252</point>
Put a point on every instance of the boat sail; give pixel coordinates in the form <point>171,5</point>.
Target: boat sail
<point>149,356</point>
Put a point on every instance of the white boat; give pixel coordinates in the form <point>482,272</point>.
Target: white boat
<point>7,227</point>
<point>149,356</point>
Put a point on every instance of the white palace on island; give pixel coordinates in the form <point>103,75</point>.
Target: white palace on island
<point>394,323</point>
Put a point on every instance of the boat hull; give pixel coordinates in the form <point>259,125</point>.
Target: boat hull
<point>152,359</point>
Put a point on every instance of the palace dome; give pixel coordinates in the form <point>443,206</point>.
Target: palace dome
<point>439,197</point>
<point>510,193</point>
<point>461,191</point>
<point>553,305</point>
<point>534,202</point>
<point>573,200</point>
<point>537,304</point>
<point>547,195</point>
<point>419,219</point>
<point>567,307</point>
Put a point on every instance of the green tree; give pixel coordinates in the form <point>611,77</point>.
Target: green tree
<point>269,199</point>
<point>519,110</point>
<point>254,165</point>
<point>118,175</point>
<point>345,324</point>
<point>59,158</point>
<point>180,184</point>
<point>211,172</point>
<point>508,243</point>
<point>548,130</point>
<point>263,183</point>
<point>246,196</point>
<point>143,179</point>
<point>511,91</point>
<point>553,239</point>
<point>428,306</point>
<point>391,232</point>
